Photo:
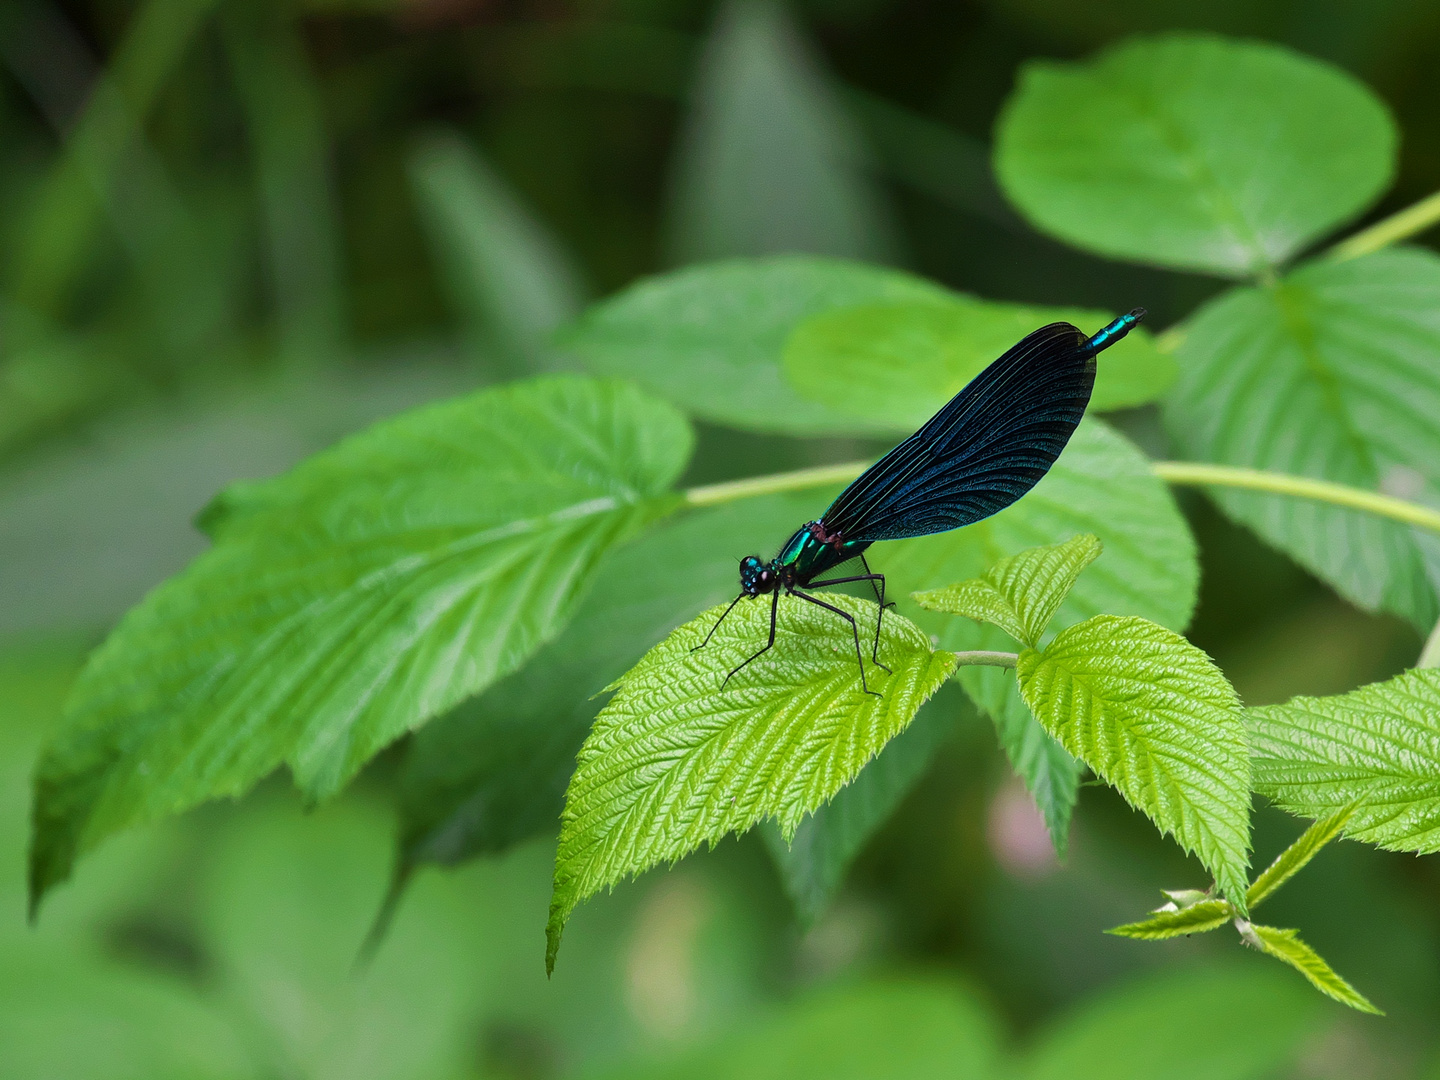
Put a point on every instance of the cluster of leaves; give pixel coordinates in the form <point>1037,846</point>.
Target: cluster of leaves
<point>496,561</point>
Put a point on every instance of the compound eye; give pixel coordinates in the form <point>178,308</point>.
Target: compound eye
<point>750,562</point>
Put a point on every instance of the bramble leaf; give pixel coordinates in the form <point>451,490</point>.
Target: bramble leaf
<point>813,862</point>
<point>1286,945</point>
<point>1334,373</point>
<point>1171,921</point>
<point>1019,594</point>
<point>1377,748</point>
<point>493,771</point>
<point>892,365</point>
<point>686,753</point>
<point>710,338</point>
<point>348,601</point>
<point>1293,859</point>
<point>1191,151</point>
<point>1154,718</point>
<point>1102,485</point>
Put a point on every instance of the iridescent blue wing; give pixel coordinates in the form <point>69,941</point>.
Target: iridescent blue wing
<point>991,444</point>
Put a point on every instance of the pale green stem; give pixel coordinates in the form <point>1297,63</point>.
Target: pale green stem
<point>1172,472</point>
<point>987,658</point>
<point>1304,487</point>
<point>751,486</point>
<point>1398,226</point>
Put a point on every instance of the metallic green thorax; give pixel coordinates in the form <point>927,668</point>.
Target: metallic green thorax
<point>812,551</point>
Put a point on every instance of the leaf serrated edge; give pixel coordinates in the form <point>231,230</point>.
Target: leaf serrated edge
<point>1286,946</point>
<point>1294,858</point>
<point>1169,921</point>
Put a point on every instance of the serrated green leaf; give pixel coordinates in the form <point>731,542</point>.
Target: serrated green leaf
<point>506,275</point>
<point>710,338</point>
<point>493,771</point>
<point>1286,945</point>
<point>813,862</point>
<point>680,757</point>
<point>765,118</point>
<point>1021,593</point>
<point>1171,922</point>
<point>892,365</point>
<point>1155,718</point>
<point>350,600</point>
<point>1102,485</point>
<point>1377,748</point>
<point>1293,859</point>
<point>1333,373</point>
<point>1191,151</point>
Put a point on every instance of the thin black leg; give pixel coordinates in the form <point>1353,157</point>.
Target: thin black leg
<point>774,606</point>
<point>879,599</point>
<point>855,629</point>
<point>718,622</point>
<point>879,596</point>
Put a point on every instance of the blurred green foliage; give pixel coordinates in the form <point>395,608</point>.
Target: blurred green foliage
<point>234,231</point>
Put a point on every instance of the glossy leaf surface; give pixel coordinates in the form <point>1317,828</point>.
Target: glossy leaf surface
<point>1195,152</point>
<point>350,600</point>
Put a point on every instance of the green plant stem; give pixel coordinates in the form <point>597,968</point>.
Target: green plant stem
<point>1304,487</point>
<point>751,486</point>
<point>1401,225</point>
<point>1189,473</point>
<point>986,658</point>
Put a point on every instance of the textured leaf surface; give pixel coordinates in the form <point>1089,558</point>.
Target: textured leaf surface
<point>1100,485</point>
<point>1177,922</point>
<point>1334,373</point>
<point>1154,717</point>
<point>892,365</point>
<point>1377,747</point>
<point>1192,151</point>
<point>371,588</point>
<point>769,160</point>
<point>710,338</point>
<point>679,757</point>
<point>1286,945</point>
<point>1294,858</point>
<point>493,771</point>
<point>813,863</point>
<point>1019,594</point>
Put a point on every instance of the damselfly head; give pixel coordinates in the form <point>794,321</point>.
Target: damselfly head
<point>755,576</point>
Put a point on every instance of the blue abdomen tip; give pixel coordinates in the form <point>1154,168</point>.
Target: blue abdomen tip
<point>1116,330</point>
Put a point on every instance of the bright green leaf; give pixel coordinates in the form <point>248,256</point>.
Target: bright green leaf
<point>892,365</point>
<point>1171,921</point>
<point>769,160</point>
<point>1286,945</point>
<point>1333,373</point>
<point>493,771</point>
<point>1102,485</point>
<point>350,600</point>
<point>813,863</point>
<point>1293,859</point>
<point>710,338</point>
<point>1022,593</point>
<point>1192,151</point>
<point>680,757</point>
<point>505,273</point>
<point>1154,718</point>
<point>1231,1022</point>
<point>1377,748</point>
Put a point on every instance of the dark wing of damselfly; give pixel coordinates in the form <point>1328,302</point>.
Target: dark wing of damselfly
<point>991,444</point>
